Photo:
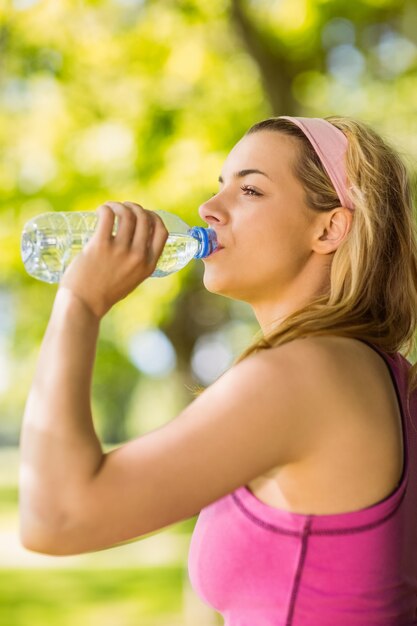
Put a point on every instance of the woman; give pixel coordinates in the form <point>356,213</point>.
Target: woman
<point>302,458</point>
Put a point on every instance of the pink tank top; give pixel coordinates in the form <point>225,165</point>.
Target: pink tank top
<point>261,566</point>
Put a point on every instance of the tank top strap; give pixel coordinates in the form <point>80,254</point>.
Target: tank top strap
<point>374,346</point>
<point>392,361</point>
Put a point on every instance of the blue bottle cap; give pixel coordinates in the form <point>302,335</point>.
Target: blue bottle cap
<point>207,238</point>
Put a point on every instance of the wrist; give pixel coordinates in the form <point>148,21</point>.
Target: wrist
<point>67,302</point>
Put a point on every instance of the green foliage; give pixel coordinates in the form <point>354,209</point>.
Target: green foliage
<point>114,381</point>
<point>9,499</point>
<point>65,597</point>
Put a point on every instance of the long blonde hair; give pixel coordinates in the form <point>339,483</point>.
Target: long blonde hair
<point>373,280</point>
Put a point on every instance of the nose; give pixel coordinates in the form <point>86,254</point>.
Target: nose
<point>211,212</point>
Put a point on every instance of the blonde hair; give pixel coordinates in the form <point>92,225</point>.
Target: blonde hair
<point>372,293</point>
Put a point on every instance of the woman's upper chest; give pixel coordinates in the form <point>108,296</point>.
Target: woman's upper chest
<point>357,457</point>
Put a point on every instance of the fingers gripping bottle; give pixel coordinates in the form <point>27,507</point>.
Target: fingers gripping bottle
<point>50,241</point>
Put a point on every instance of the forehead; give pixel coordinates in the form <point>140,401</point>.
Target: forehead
<point>269,151</point>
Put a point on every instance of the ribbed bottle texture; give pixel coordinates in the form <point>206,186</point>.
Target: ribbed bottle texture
<point>51,240</point>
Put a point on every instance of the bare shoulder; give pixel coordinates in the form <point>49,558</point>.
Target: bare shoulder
<point>346,381</point>
<point>338,376</point>
<point>308,363</point>
<point>329,383</point>
<point>301,383</point>
<point>301,365</point>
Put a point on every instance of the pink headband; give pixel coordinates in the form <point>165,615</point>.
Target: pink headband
<point>330,144</point>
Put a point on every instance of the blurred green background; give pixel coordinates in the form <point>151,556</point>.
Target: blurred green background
<point>141,100</point>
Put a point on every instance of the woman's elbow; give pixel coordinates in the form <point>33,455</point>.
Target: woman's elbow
<point>46,541</point>
<point>37,542</point>
<point>48,546</point>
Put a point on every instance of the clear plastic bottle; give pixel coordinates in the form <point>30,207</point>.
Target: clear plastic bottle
<point>51,240</point>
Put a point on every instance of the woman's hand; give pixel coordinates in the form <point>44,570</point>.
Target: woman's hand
<point>110,267</point>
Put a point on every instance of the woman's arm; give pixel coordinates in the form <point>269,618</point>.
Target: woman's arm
<point>264,412</point>
<point>59,449</point>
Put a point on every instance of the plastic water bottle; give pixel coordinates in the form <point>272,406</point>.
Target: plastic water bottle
<point>51,240</point>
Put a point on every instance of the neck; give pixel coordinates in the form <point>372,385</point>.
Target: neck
<point>312,282</point>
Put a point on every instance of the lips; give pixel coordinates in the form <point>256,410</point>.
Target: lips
<point>214,252</point>
<point>219,245</point>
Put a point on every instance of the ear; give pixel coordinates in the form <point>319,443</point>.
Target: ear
<point>331,230</point>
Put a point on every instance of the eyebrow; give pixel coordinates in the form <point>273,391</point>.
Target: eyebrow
<point>243,173</point>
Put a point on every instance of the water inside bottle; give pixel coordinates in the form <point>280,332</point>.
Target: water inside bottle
<point>51,240</point>
<point>47,253</point>
<point>179,249</point>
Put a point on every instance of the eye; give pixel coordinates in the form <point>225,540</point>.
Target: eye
<point>250,191</point>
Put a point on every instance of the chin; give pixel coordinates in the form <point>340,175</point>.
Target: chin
<point>218,284</point>
<point>215,282</point>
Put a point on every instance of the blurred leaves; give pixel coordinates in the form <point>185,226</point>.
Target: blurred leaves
<point>142,100</point>
<point>113,371</point>
<point>69,596</point>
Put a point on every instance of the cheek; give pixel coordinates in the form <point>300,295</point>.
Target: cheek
<point>286,236</point>
<point>280,248</point>
<point>266,243</point>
